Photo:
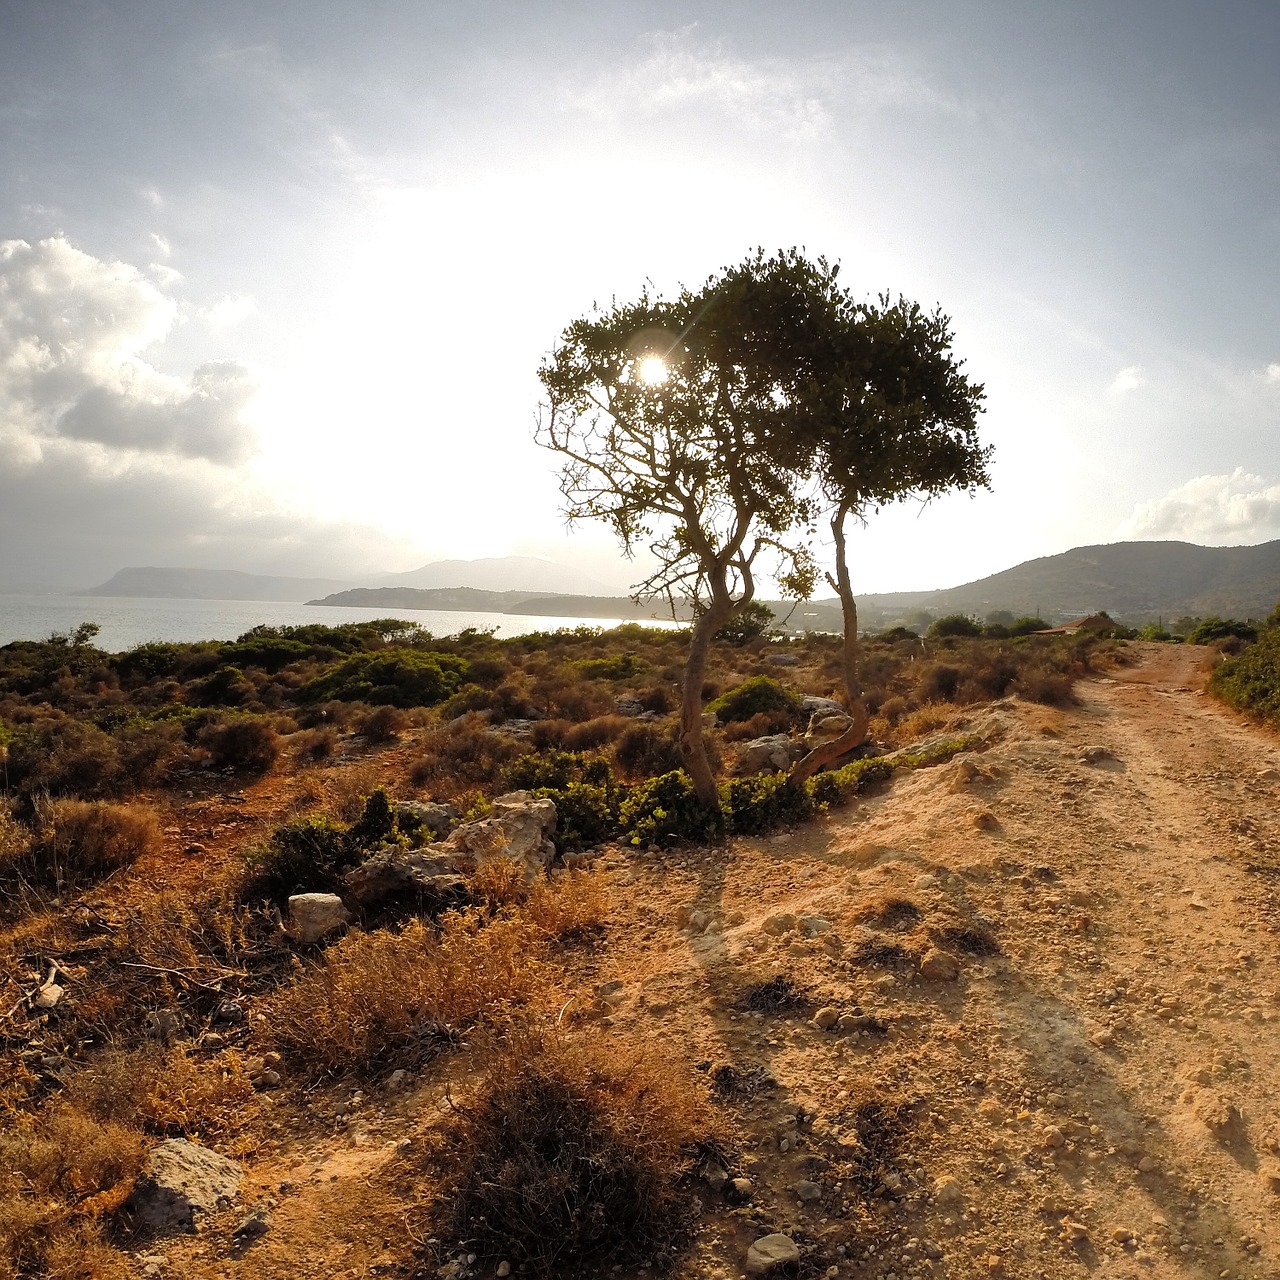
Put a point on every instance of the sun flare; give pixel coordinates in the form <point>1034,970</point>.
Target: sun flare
<point>653,370</point>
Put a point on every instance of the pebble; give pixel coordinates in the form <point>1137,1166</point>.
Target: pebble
<point>504,1268</point>
<point>807,1191</point>
<point>826,1018</point>
<point>939,966</point>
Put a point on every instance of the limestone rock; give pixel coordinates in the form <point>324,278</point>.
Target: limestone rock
<point>772,754</point>
<point>414,815</point>
<point>392,872</point>
<point>826,726</point>
<point>826,1018</point>
<point>771,1252</point>
<point>1096,755</point>
<point>313,915</point>
<point>812,706</point>
<point>179,1183</point>
<point>517,827</point>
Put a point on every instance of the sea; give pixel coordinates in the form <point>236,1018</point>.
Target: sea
<point>125,622</point>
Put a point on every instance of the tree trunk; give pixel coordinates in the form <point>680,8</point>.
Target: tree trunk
<point>693,747</point>
<point>857,709</point>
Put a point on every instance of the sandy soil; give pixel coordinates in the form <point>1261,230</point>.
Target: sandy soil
<point>1093,1094</point>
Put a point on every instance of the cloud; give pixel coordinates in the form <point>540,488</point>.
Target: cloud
<point>1271,373</point>
<point>228,312</point>
<point>164,275</point>
<point>1236,508</point>
<point>1128,379</point>
<point>797,98</point>
<point>163,247</point>
<point>72,332</point>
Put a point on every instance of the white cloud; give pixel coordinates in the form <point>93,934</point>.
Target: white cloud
<point>72,332</point>
<point>163,247</point>
<point>794,97</point>
<point>1128,379</point>
<point>1236,508</point>
<point>164,275</point>
<point>228,312</point>
<point>1271,373</point>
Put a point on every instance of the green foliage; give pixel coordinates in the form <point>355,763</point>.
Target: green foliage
<point>587,814</point>
<point>553,769</point>
<point>751,622</point>
<point>955,624</point>
<point>1250,681</point>
<point>647,748</point>
<point>665,810</point>
<point>936,752</point>
<point>618,666</point>
<point>241,742</point>
<point>376,825</point>
<point>896,634</point>
<point>306,856</point>
<point>838,785</point>
<point>396,677</point>
<point>1026,626</point>
<point>1214,628</point>
<point>755,806</point>
<point>760,693</point>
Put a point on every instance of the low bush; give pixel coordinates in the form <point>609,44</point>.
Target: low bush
<point>398,677</point>
<point>464,753</point>
<point>837,786</point>
<point>760,693</point>
<point>306,856</point>
<point>647,749</point>
<point>665,810</point>
<point>314,744</point>
<point>81,842</point>
<point>618,666</point>
<point>569,1159</point>
<point>755,806</point>
<point>242,742</point>
<point>1213,629</point>
<point>383,724</point>
<point>1250,681</point>
<point>383,1000</point>
<point>955,624</point>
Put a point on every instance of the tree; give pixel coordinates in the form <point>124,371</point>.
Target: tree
<point>678,425</point>
<point>892,416</point>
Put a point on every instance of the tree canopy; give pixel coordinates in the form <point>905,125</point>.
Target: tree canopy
<point>714,430</point>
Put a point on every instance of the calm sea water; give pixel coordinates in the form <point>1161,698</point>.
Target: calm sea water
<point>126,622</point>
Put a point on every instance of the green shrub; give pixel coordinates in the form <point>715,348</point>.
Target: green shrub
<point>587,814</point>
<point>755,806</point>
<point>955,624</point>
<point>667,809</point>
<point>760,693</point>
<point>1215,628</point>
<point>398,677</point>
<point>752,622</point>
<point>618,666</point>
<point>1027,626</point>
<point>836,786</point>
<point>1250,681</point>
<point>306,856</point>
<point>553,769</point>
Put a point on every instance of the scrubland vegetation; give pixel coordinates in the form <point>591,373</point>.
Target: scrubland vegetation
<point>179,986</point>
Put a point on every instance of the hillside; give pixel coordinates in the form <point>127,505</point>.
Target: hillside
<point>212,584</point>
<point>528,574</point>
<point>1132,581</point>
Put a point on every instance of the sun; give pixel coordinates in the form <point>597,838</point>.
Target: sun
<point>653,370</point>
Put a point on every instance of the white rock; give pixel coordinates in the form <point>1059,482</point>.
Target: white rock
<point>313,915</point>
<point>179,1182</point>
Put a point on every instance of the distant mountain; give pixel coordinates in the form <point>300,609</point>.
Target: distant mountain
<point>504,573</point>
<point>212,584</point>
<point>468,599</point>
<point>1132,581</point>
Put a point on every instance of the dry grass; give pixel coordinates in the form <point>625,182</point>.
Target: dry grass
<point>77,843</point>
<point>573,905</point>
<point>383,1000</point>
<point>60,1173</point>
<point>568,1159</point>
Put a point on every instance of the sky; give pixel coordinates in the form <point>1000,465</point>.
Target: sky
<point>276,280</point>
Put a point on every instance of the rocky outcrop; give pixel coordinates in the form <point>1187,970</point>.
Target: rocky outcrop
<point>517,826</point>
<point>773,754</point>
<point>826,726</point>
<point>179,1183</point>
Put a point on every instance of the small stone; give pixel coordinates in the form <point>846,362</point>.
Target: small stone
<point>770,1252</point>
<point>1146,1165</point>
<point>779,924</point>
<point>984,820</point>
<point>926,881</point>
<point>1073,1232</point>
<point>1268,775</point>
<point>503,1268</point>
<point>1096,754</point>
<point>946,1190</point>
<point>48,996</point>
<point>939,966</point>
<point>740,1190</point>
<point>808,1191</point>
<point>811,926</point>
<point>1053,1136</point>
<point>826,1018</point>
<point>1270,1175</point>
<point>1121,1235</point>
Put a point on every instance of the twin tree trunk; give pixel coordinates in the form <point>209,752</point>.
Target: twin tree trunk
<point>693,750</point>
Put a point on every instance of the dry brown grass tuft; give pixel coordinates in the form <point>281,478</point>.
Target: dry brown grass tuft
<point>59,1174</point>
<point>77,843</point>
<point>574,904</point>
<point>569,1157</point>
<point>384,1000</point>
